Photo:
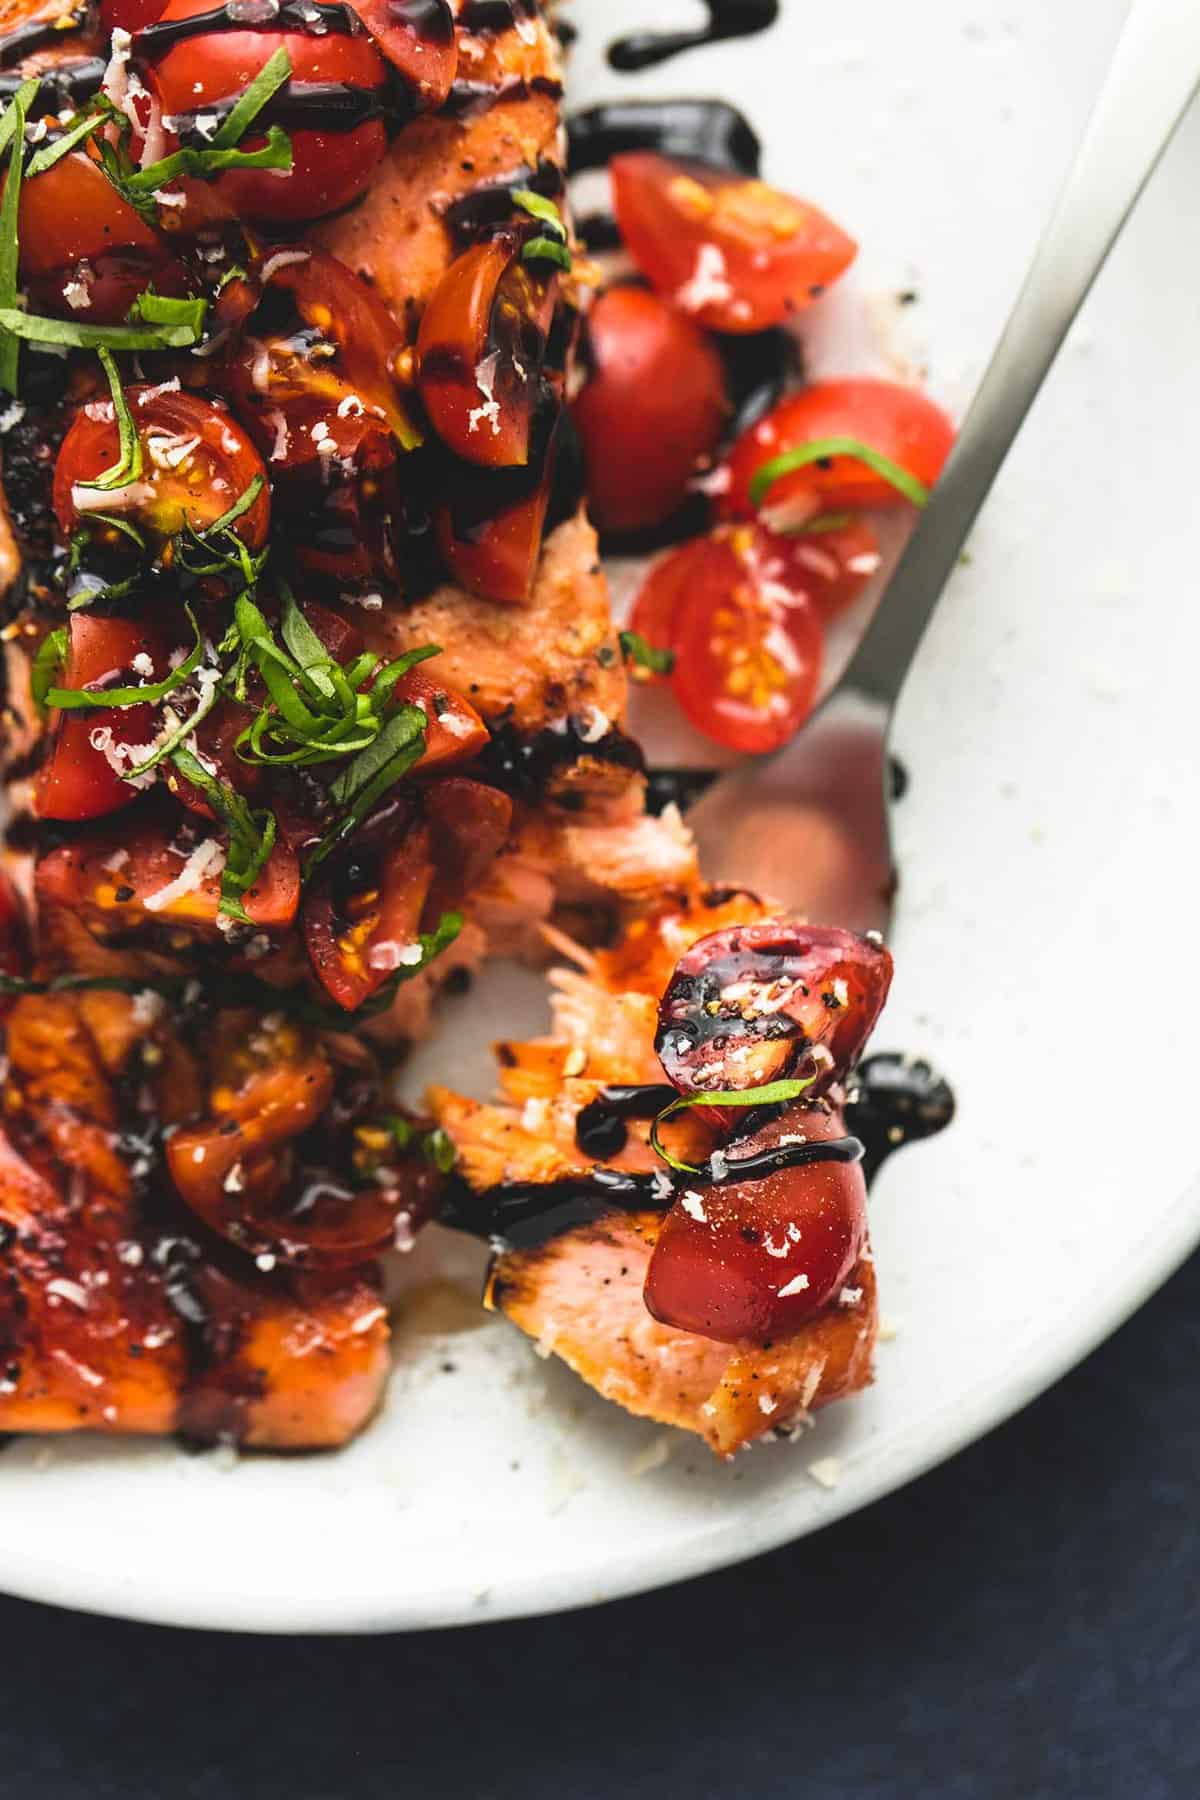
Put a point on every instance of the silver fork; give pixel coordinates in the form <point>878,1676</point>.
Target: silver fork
<point>810,824</point>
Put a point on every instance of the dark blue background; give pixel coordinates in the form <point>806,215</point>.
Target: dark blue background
<point>1023,1623</point>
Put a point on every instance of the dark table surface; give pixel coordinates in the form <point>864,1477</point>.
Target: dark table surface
<point>1024,1622</point>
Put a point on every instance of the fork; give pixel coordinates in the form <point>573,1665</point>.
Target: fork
<point>810,824</point>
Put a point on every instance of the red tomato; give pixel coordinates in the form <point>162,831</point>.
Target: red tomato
<point>114,880</point>
<point>364,918</point>
<point>653,407</point>
<point>420,41</point>
<point>736,254</point>
<point>78,780</point>
<point>329,168</point>
<point>831,567</point>
<point>196,461</point>
<point>73,215</point>
<point>723,1266</point>
<point>480,350</point>
<point>455,732</point>
<point>490,530</point>
<point>659,605</point>
<point>129,15</point>
<point>748,1004</point>
<point>901,423</point>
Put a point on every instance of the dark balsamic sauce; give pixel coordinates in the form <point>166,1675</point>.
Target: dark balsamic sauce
<point>895,1100</point>
<point>707,131</point>
<point>759,369</point>
<point>524,1213</point>
<point>37,34</point>
<point>64,85</point>
<point>488,207</point>
<point>525,767</point>
<point>298,105</point>
<point>726,19</point>
<point>483,17</point>
<point>600,1125</point>
<point>676,787</point>
<point>467,99</point>
<point>898,777</point>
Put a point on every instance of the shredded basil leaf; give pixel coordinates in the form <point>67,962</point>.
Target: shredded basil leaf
<point>164,309</point>
<point>12,143</point>
<point>251,833</point>
<point>150,694</point>
<point>37,330</point>
<point>93,116</point>
<point>399,744</point>
<point>436,1145</point>
<point>44,671</point>
<point>276,153</point>
<point>542,209</point>
<point>788,461</point>
<point>128,466</point>
<point>772,1093</point>
<point>545,249</point>
<point>646,656</point>
<point>270,78</point>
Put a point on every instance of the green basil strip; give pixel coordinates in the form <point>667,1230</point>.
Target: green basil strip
<point>37,330</point>
<point>399,744</point>
<point>772,1093</point>
<point>46,666</point>
<point>646,655</point>
<point>788,461</point>
<point>270,78</point>
<point>251,834</point>
<point>164,309</point>
<point>70,140</point>
<point>385,682</point>
<point>545,249</point>
<point>12,143</point>
<point>276,153</point>
<point>128,466</point>
<point>69,699</point>
<point>182,732</point>
<point>539,207</point>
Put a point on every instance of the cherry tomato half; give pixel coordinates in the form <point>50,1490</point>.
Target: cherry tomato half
<point>731,251</point>
<point>480,350</point>
<point>748,1004</point>
<point>84,252</point>
<point>491,523</point>
<point>652,408</point>
<point>747,650</point>
<point>82,775</point>
<point>755,1261</point>
<point>901,423</point>
<point>419,41</point>
<point>196,462</point>
<point>329,168</point>
<point>831,567</point>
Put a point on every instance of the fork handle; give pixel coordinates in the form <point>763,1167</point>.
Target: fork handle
<point>1154,73</point>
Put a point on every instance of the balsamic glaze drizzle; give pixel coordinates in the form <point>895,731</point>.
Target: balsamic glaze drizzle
<point>37,34</point>
<point>315,17</point>
<point>300,105</point>
<point>726,19</point>
<point>707,131</point>
<point>895,1100</point>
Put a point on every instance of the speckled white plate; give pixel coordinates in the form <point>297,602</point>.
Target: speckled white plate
<point>1048,842</point>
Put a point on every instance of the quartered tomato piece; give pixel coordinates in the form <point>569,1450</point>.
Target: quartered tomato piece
<point>92,748</point>
<point>747,650</point>
<point>480,350</point>
<point>196,462</point>
<point>751,1003</point>
<point>491,523</point>
<point>418,39</point>
<point>455,733</point>
<point>832,567</point>
<point>731,251</point>
<point>652,409</point>
<point>165,872</point>
<point>361,922</point>
<point>900,423</point>
<point>754,1261</point>
<point>85,254</point>
<point>330,168</point>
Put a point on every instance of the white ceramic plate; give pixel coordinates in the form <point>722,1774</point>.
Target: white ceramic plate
<point>1044,944</point>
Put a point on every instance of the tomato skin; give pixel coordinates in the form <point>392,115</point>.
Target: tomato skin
<point>72,215</point>
<point>425,51</point>
<point>329,168</point>
<point>900,422</point>
<point>480,348</point>
<point>129,15</point>
<point>723,1275</point>
<point>652,409</point>
<point>831,567</point>
<point>165,496</point>
<point>731,251</point>
<point>76,781</point>
<point>455,732</point>
<point>812,985</point>
<point>490,542</point>
<point>747,651</point>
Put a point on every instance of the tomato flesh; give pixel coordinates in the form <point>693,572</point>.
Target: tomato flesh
<point>78,780</point>
<point>901,423</point>
<point>84,252</point>
<point>329,168</point>
<point>418,41</point>
<point>749,1004</point>
<point>832,567</point>
<point>651,411</point>
<point>196,462</point>
<point>731,251</point>
<point>727,1256</point>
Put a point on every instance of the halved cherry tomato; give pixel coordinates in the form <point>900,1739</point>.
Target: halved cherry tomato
<point>91,747</point>
<point>85,254</point>
<point>748,1005</point>
<point>420,41</point>
<point>490,529</point>
<point>361,922</point>
<point>832,567</point>
<point>115,879</point>
<point>901,423</point>
<point>653,407</point>
<point>736,254</point>
<point>329,168</point>
<point>196,462</point>
<point>469,822</point>
<point>755,1261</point>
<point>747,650</point>
<point>480,349</point>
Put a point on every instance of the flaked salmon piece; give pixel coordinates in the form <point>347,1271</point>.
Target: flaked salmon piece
<point>580,1297</point>
<point>396,236</point>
